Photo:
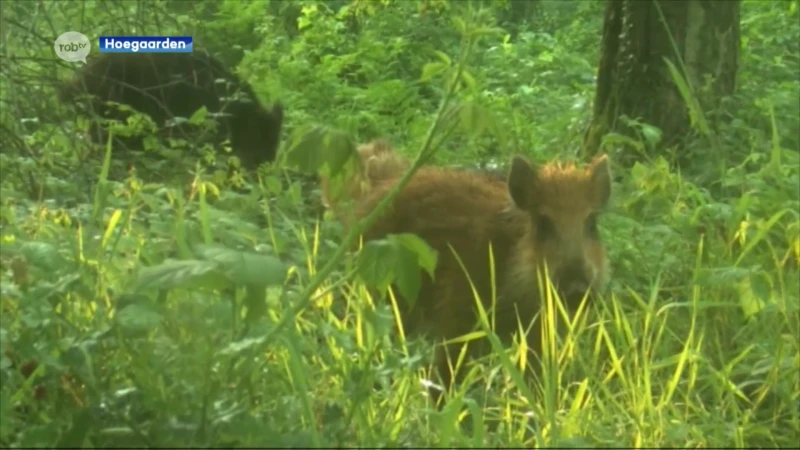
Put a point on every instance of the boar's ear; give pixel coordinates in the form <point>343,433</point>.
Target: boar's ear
<point>522,179</point>
<point>600,180</point>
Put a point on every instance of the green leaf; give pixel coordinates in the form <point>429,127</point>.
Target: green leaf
<point>474,118</point>
<point>42,254</point>
<point>150,143</point>
<point>651,134</point>
<point>460,25</point>
<point>138,318</point>
<point>180,273</point>
<point>638,171</point>
<point>256,304</point>
<point>695,111</point>
<point>273,184</point>
<point>761,287</point>
<point>748,300</point>
<point>426,256</point>
<point>319,146</point>
<point>305,152</point>
<point>245,268</point>
<point>397,259</point>
<point>199,116</point>
<point>382,322</point>
<point>235,348</point>
<point>487,31</point>
<point>469,80</point>
<point>376,264</point>
<point>431,70</point>
<point>338,148</point>
<point>545,56</point>
<point>407,275</point>
<point>444,58</point>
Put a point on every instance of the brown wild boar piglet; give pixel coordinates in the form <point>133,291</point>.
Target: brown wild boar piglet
<point>543,215</point>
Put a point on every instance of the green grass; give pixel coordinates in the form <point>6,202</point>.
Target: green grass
<point>696,344</point>
<point>169,312</point>
<point>663,365</point>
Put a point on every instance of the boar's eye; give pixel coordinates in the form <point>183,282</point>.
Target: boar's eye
<point>544,228</point>
<point>591,225</point>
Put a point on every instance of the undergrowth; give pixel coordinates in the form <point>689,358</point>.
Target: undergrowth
<point>179,307</point>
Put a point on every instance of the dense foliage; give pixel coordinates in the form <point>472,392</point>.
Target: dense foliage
<point>155,306</point>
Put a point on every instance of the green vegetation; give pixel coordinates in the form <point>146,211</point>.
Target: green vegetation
<point>151,299</point>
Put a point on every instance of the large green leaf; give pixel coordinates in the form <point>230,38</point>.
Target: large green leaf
<point>245,268</point>
<point>318,146</point>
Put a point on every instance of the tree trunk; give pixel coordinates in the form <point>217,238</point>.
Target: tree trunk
<point>700,39</point>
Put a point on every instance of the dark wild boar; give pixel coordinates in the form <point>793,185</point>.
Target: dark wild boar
<point>165,86</point>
